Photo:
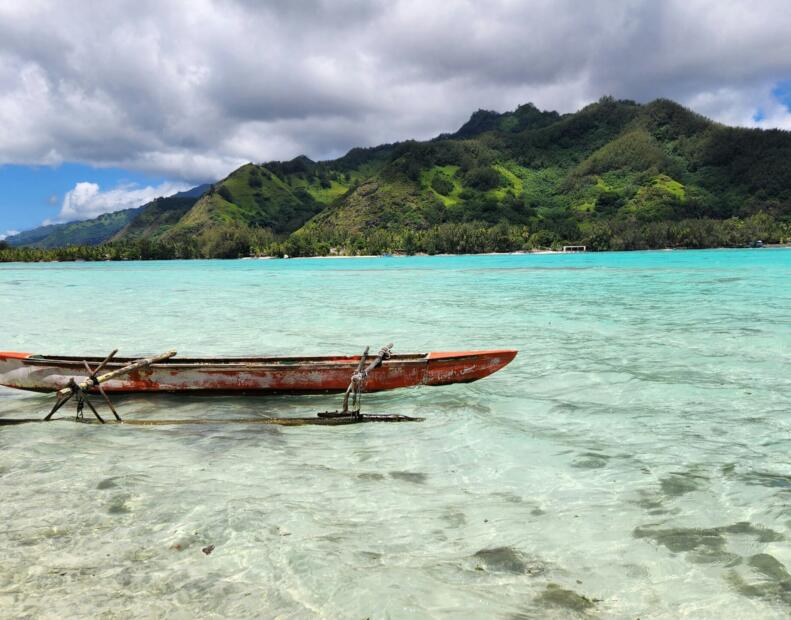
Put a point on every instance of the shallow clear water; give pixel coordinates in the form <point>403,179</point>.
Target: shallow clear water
<point>635,453</point>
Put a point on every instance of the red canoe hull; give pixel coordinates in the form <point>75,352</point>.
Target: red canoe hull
<point>255,375</point>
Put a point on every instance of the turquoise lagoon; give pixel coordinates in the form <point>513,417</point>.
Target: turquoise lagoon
<point>633,461</point>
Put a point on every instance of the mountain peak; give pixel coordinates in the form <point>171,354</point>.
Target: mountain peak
<point>479,122</point>
<point>525,116</point>
<point>614,174</point>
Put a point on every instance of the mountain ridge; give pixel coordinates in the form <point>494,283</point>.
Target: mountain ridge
<point>615,174</point>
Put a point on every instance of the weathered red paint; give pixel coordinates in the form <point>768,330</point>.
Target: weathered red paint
<point>256,375</point>
<point>463,367</point>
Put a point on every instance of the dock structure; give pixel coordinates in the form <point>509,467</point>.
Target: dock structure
<point>575,248</point>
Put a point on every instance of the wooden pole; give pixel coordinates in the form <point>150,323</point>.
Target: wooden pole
<point>98,385</point>
<point>92,408</point>
<point>58,404</point>
<point>104,363</point>
<point>108,401</point>
<point>384,352</point>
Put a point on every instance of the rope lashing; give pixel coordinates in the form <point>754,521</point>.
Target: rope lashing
<point>360,376</point>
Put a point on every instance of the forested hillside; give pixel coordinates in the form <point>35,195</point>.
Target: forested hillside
<point>614,175</point>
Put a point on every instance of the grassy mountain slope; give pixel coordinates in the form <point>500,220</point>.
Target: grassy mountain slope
<point>86,232</point>
<point>154,219</point>
<point>278,197</point>
<point>252,196</point>
<point>158,216</point>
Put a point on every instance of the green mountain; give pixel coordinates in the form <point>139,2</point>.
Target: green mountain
<point>152,220</point>
<point>127,224</point>
<point>613,168</point>
<point>251,196</point>
<point>614,175</point>
<point>86,232</point>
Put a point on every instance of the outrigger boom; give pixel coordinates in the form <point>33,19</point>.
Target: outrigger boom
<point>80,389</point>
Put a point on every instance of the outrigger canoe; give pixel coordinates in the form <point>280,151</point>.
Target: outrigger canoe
<point>253,375</point>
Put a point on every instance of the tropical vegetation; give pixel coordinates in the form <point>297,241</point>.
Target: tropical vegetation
<point>615,175</point>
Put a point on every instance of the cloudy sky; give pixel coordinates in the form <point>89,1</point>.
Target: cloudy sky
<point>104,105</point>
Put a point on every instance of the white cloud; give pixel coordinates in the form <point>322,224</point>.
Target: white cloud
<point>87,200</point>
<point>759,108</point>
<point>8,233</point>
<point>190,89</point>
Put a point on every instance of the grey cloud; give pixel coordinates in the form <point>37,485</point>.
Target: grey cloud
<point>678,49</point>
<point>191,88</point>
<point>513,43</point>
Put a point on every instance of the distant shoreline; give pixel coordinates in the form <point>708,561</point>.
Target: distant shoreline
<point>767,246</point>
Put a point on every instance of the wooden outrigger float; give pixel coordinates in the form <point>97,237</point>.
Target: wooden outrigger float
<point>74,377</point>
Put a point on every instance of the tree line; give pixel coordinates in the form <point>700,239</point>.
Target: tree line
<point>229,241</point>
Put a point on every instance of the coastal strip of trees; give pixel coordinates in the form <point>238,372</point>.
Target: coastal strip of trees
<point>227,241</point>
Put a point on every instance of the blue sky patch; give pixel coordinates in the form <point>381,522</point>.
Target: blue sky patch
<point>32,194</point>
<point>782,92</point>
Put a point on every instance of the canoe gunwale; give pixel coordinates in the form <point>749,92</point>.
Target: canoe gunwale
<point>225,362</point>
